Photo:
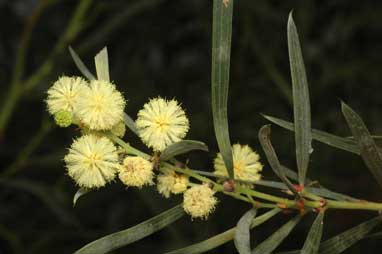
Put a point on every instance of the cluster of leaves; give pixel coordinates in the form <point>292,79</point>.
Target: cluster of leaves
<point>44,192</point>
<point>362,143</point>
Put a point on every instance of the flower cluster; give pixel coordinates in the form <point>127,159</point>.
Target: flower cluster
<point>97,105</point>
<point>199,201</point>
<point>98,156</point>
<point>171,182</point>
<point>92,161</point>
<point>136,171</point>
<point>246,165</point>
<point>161,123</point>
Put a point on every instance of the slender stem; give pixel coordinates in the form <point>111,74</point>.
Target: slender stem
<point>128,148</point>
<point>268,197</point>
<point>360,205</point>
<point>316,201</point>
<point>311,196</point>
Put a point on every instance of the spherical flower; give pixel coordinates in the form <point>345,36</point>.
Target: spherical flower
<point>161,123</point>
<point>64,94</point>
<point>136,171</point>
<point>92,161</point>
<point>63,118</point>
<point>246,165</point>
<point>171,182</point>
<point>102,107</point>
<point>199,201</point>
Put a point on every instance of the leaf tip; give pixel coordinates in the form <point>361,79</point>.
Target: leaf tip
<point>290,18</point>
<point>345,107</point>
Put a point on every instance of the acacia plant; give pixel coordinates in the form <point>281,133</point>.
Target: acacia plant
<point>101,154</point>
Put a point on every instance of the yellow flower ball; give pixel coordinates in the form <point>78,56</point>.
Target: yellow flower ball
<point>199,201</point>
<point>102,107</point>
<point>172,182</point>
<point>64,94</point>
<point>136,172</point>
<point>92,161</point>
<point>161,123</point>
<point>246,165</point>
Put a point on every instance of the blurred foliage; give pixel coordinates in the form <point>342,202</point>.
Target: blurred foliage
<point>159,47</point>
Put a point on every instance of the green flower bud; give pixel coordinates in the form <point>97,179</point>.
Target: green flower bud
<point>63,118</point>
<point>119,129</point>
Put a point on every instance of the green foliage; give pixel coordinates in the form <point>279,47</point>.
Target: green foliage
<point>264,137</point>
<point>312,242</point>
<point>345,144</point>
<point>222,238</point>
<point>242,233</point>
<point>313,197</point>
<point>273,241</point>
<point>181,147</point>
<point>345,240</point>
<point>130,235</point>
<point>301,104</point>
<point>221,51</point>
<point>80,192</point>
<point>370,152</point>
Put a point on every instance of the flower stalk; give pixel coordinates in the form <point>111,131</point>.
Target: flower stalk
<point>312,201</point>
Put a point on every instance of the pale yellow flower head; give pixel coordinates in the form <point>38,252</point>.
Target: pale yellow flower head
<point>246,165</point>
<point>136,171</point>
<point>171,182</point>
<point>162,122</point>
<point>64,94</point>
<point>102,107</point>
<point>92,161</point>
<point>199,201</point>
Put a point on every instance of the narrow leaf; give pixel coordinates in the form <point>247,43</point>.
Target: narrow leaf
<point>326,193</point>
<point>312,242</point>
<point>182,147</point>
<point>222,238</point>
<point>129,122</point>
<point>242,233</point>
<point>80,65</point>
<point>342,143</point>
<point>369,151</point>
<point>264,138</point>
<point>130,235</point>
<point>221,51</point>
<point>102,65</point>
<point>80,192</point>
<point>272,242</point>
<point>341,242</point>
<point>345,240</point>
<point>301,104</point>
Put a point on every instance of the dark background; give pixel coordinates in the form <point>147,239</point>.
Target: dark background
<point>159,47</point>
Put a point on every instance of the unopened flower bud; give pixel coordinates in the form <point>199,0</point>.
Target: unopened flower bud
<point>63,118</point>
